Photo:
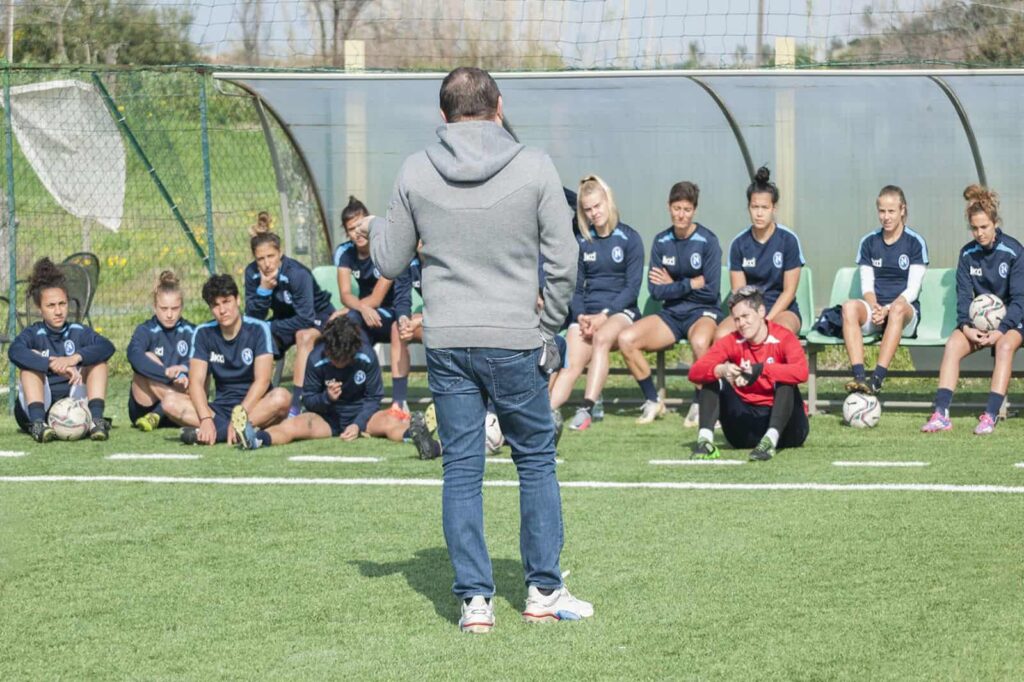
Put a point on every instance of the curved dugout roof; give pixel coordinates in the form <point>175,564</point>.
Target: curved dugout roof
<point>831,139</point>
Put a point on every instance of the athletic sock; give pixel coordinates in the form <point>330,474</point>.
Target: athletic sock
<point>96,407</point>
<point>878,376</point>
<point>587,405</point>
<point>782,408</point>
<point>36,412</point>
<point>708,404</point>
<point>858,372</point>
<point>158,409</point>
<point>706,435</point>
<point>773,436</point>
<point>648,389</point>
<point>296,399</point>
<point>943,399</point>
<point>264,438</point>
<point>399,390</point>
<point>995,402</point>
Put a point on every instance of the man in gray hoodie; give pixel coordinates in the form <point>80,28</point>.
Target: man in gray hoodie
<point>485,207</point>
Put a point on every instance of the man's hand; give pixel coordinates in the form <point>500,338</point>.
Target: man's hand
<point>659,276</point>
<point>879,313</point>
<point>728,371</point>
<point>351,432</point>
<point>697,282</point>
<point>404,328</point>
<point>61,365</point>
<point>333,390</point>
<point>974,336</point>
<point>268,282</point>
<point>550,359</point>
<point>991,338</point>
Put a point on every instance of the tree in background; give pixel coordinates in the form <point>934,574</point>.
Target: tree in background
<point>102,31</point>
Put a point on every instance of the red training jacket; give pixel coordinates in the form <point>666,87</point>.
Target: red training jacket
<point>783,358</point>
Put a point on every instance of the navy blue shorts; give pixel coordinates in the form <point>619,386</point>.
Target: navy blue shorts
<point>338,422</point>
<point>680,323</point>
<point>793,308</point>
<point>744,424</point>
<point>222,417</point>
<point>381,334</point>
<point>563,349</point>
<point>285,339</point>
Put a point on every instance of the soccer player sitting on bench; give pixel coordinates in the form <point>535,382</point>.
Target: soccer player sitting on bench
<point>55,357</point>
<point>238,352</point>
<point>341,392</point>
<point>751,378</point>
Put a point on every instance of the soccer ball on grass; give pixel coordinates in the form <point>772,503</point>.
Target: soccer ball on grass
<point>861,411</point>
<point>70,418</point>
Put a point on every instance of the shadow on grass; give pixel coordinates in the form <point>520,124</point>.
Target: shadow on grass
<point>429,572</point>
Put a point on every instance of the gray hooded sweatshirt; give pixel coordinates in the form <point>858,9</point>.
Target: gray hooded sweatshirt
<point>485,207</point>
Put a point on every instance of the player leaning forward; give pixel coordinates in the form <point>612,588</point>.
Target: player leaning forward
<point>484,206</point>
<point>749,380</point>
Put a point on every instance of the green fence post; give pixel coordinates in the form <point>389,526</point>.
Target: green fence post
<point>12,254</point>
<point>204,130</point>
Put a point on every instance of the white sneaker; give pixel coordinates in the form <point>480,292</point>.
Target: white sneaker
<point>559,605</point>
<point>692,419</point>
<point>477,616</point>
<point>651,411</point>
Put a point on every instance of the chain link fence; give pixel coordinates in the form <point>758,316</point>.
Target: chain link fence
<point>114,163</point>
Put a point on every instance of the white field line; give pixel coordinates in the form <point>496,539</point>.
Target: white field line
<point>508,460</point>
<point>12,453</point>
<point>592,485</point>
<point>333,459</point>
<point>695,462</point>
<point>880,464</point>
<point>1019,465</point>
<point>165,455</point>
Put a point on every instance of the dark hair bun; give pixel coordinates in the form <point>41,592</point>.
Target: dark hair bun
<point>169,280</point>
<point>762,176</point>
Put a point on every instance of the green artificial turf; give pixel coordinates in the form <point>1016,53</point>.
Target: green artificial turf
<point>135,580</point>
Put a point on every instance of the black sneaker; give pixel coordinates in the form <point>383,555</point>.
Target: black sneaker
<point>426,447</point>
<point>100,429</point>
<point>704,449</point>
<point>763,452</point>
<point>42,432</point>
<point>189,435</point>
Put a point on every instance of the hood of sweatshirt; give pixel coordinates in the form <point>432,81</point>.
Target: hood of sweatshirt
<point>472,151</point>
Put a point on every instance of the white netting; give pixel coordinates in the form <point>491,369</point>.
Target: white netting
<point>81,161</point>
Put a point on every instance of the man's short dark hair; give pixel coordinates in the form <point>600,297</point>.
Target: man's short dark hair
<point>748,294</point>
<point>469,93</point>
<point>342,340</point>
<point>218,286</point>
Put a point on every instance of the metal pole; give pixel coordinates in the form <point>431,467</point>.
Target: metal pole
<point>204,133</point>
<point>12,255</point>
<point>10,32</point>
<point>123,125</point>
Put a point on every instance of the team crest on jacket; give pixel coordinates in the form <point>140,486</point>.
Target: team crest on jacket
<point>376,273</point>
<point>247,356</point>
<point>287,297</point>
<point>182,347</point>
<point>695,261</point>
<point>904,262</point>
<point>69,347</point>
<point>360,378</point>
<point>777,259</point>
<point>1004,270</point>
<point>617,254</point>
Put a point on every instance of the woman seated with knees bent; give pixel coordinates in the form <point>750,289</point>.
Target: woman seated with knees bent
<point>56,359</point>
<point>610,269</point>
<point>892,262</point>
<point>989,264</point>
<point>373,307</point>
<point>768,256</point>
<point>158,353</point>
<point>285,289</point>
<point>684,273</point>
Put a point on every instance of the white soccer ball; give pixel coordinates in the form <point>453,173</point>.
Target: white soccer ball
<point>987,312</point>
<point>493,435</point>
<point>70,418</point>
<point>861,411</point>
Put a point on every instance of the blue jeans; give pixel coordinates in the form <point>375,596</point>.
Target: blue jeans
<point>461,380</point>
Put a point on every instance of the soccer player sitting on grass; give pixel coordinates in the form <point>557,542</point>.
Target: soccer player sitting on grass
<point>55,357</point>
<point>892,262</point>
<point>750,377</point>
<point>341,392</point>
<point>285,288</point>
<point>238,352</point>
<point>158,354</point>
<point>991,263</point>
